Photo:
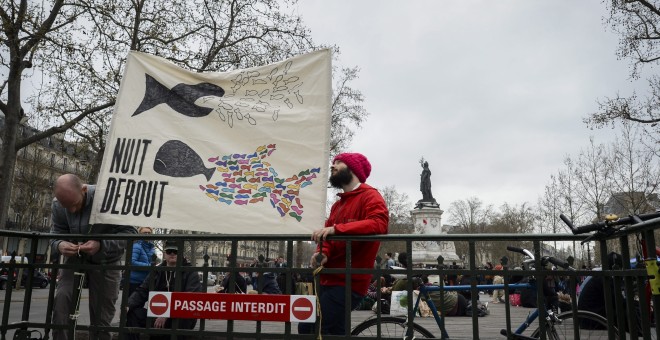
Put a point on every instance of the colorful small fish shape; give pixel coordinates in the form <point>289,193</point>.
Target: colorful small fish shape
<point>247,178</point>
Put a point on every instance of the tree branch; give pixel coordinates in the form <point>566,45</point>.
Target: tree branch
<point>62,128</point>
<point>45,28</point>
<point>651,7</point>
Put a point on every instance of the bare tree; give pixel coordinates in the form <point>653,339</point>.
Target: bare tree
<point>637,22</point>
<point>469,216</point>
<point>399,208</point>
<point>593,175</point>
<point>32,198</point>
<point>548,207</point>
<point>635,171</point>
<point>565,194</point>
<point>624,176</point>
<point>397,203</point>
<point>25,29</point>
<point>512,219</point>
<point>568,190</point>
<point>347,110</point>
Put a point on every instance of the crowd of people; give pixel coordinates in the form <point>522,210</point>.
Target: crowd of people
<point>360,210</point>
<point>557,289</point>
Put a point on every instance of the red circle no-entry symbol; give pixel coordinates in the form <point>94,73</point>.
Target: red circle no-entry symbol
<point>302,309</point>
<point>159,304</point>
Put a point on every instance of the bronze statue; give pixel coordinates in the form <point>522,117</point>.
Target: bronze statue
<point>425,186</point>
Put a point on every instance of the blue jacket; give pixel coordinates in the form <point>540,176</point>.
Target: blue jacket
<point>142,253</point>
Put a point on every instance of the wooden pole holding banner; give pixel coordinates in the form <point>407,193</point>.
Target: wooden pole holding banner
<point>78,283</point>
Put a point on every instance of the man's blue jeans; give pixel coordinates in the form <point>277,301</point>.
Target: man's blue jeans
<point>332,311</point>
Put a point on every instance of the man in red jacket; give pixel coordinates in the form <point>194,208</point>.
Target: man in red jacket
<point>360,210</point>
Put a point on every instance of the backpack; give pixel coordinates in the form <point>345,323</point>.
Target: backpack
<point>482,309</point>
<point>384,307</point>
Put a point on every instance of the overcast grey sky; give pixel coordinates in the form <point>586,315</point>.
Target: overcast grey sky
<point>491,93</point>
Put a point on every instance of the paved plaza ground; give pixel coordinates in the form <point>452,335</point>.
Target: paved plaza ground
<point>458,327</point>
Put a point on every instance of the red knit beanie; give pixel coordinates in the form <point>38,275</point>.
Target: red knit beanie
<point>358,164</point>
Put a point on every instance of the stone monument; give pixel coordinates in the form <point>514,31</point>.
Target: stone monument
<point>427,220</point>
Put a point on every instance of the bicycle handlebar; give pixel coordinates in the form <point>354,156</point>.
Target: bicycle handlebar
<point>557,262</point>
<point>515,249</point>
<point>598,226</point>
<point>520,250</point>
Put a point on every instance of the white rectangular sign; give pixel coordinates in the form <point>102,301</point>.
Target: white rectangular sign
<point>240,152</point>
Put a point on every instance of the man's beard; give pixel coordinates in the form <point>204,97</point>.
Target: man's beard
<point>341,178</point>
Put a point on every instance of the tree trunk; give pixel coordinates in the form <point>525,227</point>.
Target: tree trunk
<point>7,170</point>
<point>9,136</point>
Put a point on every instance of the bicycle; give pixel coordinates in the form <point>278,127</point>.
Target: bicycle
<point>566,325</point>
<point>640,225</point>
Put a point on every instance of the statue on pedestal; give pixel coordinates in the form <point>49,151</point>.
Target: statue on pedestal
<point>425,187</point>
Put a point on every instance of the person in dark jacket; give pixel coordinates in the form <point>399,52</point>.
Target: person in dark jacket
<point>240,287</point>
<point>164,281</point>
<point>143,251</point>
<point>270,285</point>
<point>71,211</point>
<point>592,296</point>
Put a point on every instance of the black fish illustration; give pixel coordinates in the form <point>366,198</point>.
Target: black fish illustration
<point>176,159</point>
<point>181,98</point>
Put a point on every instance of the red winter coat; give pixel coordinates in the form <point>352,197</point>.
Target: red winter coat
<point>358,212</point>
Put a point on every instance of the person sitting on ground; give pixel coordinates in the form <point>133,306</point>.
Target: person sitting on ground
<point>465,281</point>
<point>372,293</point>
<point>453,304</point>
<point>163,281</point>
<point>384,289</point>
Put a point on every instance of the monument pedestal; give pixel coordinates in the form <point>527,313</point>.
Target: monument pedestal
<point>427,220</point>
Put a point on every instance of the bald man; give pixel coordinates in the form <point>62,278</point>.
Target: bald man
<point>71,209</point>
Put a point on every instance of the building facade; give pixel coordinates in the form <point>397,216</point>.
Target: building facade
<point>37,167</point>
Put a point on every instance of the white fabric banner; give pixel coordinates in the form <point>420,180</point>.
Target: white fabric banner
<point>241,152</point>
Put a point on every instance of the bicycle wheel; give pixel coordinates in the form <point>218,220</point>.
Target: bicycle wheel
<point>390,327</point>
<point>590,326</point>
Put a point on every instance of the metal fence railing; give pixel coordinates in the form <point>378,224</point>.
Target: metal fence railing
<point>30,308</point>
